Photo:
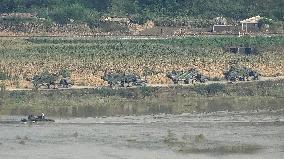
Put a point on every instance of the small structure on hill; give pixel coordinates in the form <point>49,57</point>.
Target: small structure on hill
<point>221,25</point>
<point>241,50</point>
<point>223,28</point>
<point>251,24</point>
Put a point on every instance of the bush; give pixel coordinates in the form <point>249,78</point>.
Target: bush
<point>76,12</point>
<point>146,91</point>
<point>18,95</point>
<point>105,92</point>
<point>264,21</point>
<point>127,94</point>
<point>211,89</point>
<point>64,73</point>
<point>44,78</point>
<point>139,19</point>
<point>4,75</point>
<point>113,27</point>
<point>47,77</point>
<point>2,90</point>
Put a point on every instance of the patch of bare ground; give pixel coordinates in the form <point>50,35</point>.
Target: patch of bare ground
<point>198,144</point>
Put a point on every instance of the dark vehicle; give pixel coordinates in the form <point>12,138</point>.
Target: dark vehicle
<point>123,80</point>
<point>49,80</point>
<point>44,79</point>
<point>65,83</point>
<point>241,74</point>
<point>32,118</point>
<point>187,77</point>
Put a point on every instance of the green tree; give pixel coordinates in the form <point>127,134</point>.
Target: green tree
<point>62,11</point>
<point>124,7</point>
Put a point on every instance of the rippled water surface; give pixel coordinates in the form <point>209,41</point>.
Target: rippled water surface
<point>215,135</point>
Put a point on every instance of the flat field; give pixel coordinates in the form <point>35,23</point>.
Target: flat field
<point>88,57</point>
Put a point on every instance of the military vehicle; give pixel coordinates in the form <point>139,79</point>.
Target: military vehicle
<point>44,79</point>
<point>187,77</point>
<point>49,80</point>
<point>241,74</point>
<point>65,83</point>
<point>123,80</point>
<point>32,118</point>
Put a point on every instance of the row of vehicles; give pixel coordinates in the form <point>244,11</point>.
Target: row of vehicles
<point>180,77</point>
<point>115,79</point>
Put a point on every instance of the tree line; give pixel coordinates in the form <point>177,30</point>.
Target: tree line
<point>61,11</point>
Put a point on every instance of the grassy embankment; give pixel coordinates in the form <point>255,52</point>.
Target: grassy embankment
<point>88,58</point>
<point>264,95</point>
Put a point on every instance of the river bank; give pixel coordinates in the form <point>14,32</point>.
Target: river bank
<point>208,136</point>
<point>93,102</point>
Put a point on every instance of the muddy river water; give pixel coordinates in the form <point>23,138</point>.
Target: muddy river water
<point>223,135</point>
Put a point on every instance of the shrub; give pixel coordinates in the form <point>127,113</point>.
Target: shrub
<point>4,75</point>
<point>105,92</point>
<point>112,27</point>
<point>64,73</point>
<point>126,94</point>
<point>264,21</point>
<point>146,91</point>
<point>18,95</point>
<point>44,78</point>
<point>2,93</point>
<point>76,12</point>
<point>210,89</point>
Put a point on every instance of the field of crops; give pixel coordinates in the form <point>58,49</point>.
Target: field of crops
<point>88,58</point>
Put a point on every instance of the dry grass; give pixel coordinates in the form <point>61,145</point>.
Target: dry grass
<point>88,58</point>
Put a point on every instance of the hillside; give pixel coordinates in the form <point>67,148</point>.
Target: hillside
<point>89,11</point>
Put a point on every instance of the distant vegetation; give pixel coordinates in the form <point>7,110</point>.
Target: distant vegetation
<point>86,59</point>
<point>89,11</point>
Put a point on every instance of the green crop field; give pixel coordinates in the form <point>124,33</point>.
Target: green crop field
<point>88,57</point>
